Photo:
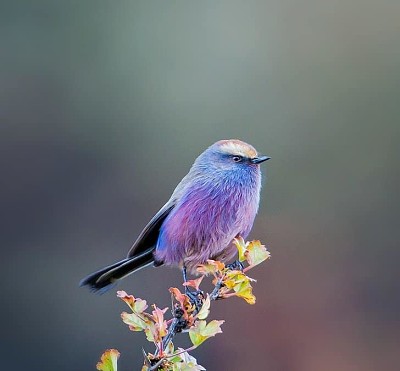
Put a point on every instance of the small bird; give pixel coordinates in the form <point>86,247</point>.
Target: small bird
<point>214,203</point>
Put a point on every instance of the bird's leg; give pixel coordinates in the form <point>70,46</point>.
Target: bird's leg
<point>195,296</point>
<point>184,274</point>
<point>235,266</point>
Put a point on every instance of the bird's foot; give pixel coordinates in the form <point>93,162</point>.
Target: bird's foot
<point>235,266</point>
<point>196,297</point>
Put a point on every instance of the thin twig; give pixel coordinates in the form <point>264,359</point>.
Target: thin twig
<point>155,366</point>
<point>215,293</point>
<point>193,347</point>
<point>179,323</point>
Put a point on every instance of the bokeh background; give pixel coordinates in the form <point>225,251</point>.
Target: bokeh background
<point>103,107</point>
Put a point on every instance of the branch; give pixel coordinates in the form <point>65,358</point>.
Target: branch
<point>189,311</point>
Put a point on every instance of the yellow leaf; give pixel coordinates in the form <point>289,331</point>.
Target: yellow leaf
<point>108,361</point>
<point>247,294</point>
<point>256,253</point>
<point>242,248</point>
<point>240,284</point>
<point>234,278</point>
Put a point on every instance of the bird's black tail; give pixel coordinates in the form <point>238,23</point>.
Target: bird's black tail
<point>104,279</point>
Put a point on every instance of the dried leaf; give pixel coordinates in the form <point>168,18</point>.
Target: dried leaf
<point>194,283</point>
<point>184,302</point>
<point>179,297</point>
<point>108,361</point>
<point>136,304</point>
<point>160,323</point>
<point>218,265</point>
<point>212,267</point>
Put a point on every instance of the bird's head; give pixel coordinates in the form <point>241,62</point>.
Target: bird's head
<point>233,154</point>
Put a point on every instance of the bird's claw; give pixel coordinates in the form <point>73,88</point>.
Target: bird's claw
<point>235,266</point>
<point>196,297</point>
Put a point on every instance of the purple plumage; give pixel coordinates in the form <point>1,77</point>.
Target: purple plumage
<point>214,203</point>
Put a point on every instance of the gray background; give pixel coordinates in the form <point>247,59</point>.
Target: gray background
<point>103,107</point>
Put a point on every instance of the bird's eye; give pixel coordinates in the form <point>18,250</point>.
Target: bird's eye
<point>237,158</point>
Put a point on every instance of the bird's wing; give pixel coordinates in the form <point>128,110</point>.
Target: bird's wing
<point>148,237</point>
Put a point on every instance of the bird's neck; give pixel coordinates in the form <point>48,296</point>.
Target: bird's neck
<point>238,178</point>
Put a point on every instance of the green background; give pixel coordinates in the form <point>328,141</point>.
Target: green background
<point>103,107</point>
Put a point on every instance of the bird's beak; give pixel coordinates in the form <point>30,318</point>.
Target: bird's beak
<point>258,160</point>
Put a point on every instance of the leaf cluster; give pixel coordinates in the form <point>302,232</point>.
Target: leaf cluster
<point>188,315</point>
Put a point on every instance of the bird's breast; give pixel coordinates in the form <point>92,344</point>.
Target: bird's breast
<point>205,220</point>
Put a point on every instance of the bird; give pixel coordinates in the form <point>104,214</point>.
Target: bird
<point>216,202</point>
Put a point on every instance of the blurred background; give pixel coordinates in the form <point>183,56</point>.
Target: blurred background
<point>103,108</point>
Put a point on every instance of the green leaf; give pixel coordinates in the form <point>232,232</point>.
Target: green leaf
<point>233,279</point>
<point>256,253</point>
<point>185,362</point>
<point>134,321</point>
<point>108,360</point>
<point>151,332</point>
<point>201,331</point>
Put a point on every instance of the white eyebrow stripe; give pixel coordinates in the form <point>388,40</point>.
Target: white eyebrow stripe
<point>238,149</point>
